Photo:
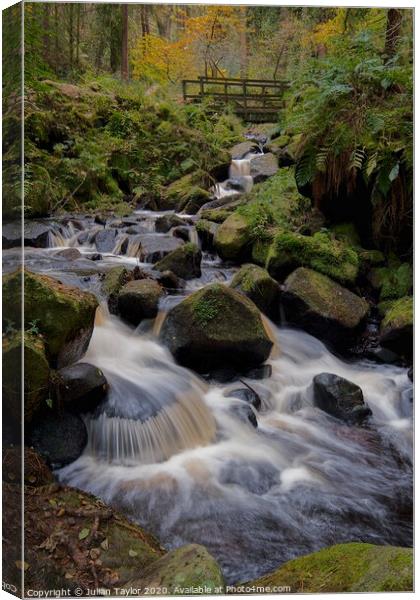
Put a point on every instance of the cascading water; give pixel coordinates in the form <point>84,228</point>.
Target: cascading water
<point>240,179</point>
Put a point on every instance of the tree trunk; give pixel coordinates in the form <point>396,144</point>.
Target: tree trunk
<point>124,49</point>
<point>244,42</point>
<point>46,26</point>
<point>144,15</point>
<point>71,36</point>
<point>78,6</point>
<point>393,30</point>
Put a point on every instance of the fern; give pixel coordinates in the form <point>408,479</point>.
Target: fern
<point>357,158</point>
<point>306,168</point>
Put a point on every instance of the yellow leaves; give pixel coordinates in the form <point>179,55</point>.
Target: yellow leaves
<point>161,60</point>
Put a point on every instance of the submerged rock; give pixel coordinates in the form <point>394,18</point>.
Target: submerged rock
<point>81,387</point>
<point>63,315</point>
<point>322,307</point>
<point>36,375</point>
<point>353,567</point>
<point>139,300</point>
<point>340,398</point>
<point>233,238</point>
<point>396,332</point>
<point>59,438</point>
<point>256,283</point>
<point>246,395</point>
<point>184,571</point>
<point>216,327</point>
<point>184,262</point>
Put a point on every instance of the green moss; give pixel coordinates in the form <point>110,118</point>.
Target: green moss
<point>353,567</point>
<point>393,282</point>
<point>184,192</point>
<point>114,280</point>
<point>319,252</point>
<point>258,286</point>
<point>184,261</point>
<point>217,215</point>
<point>206,309</point>
<point>233,238</point>
<point>398,314</point>
<point>347,233</point>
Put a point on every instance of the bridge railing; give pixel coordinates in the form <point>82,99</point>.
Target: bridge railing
<point>261,98</point>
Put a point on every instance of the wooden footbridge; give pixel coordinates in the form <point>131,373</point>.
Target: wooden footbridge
<point>255,100</point>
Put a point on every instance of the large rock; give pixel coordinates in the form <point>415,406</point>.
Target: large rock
<point>319,252</point>
<point>186,570</point>
<point>81,387</point>
<point>35,234</point>
<point>36,375</point>
<point>105,240</point>
<point>139,300</point>
<point>59,438</point>
<point>63,315</point>
<point>259,287</point>
<point>184,262</point>
<point>216,327</point>
<point>263,167</point>
<point>184,194</point>
<point>396,332</point>
<point>166,222</point>
<point>322,307</point>
<point>155,247</point>
<point>353,567</point>
<point>233,238</point>
<point>340,398</point>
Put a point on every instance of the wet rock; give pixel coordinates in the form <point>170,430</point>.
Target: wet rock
<point>184,262</point>
<point>69,253</point>
<point>227,202</point>
<point>264,166</point>
<point>35,234</point>
<point>246,394</point>
<point>206,231</point>
<point>62,314</point>
<point>216,327</point>
<point>83,238</point>
<point>59,438</point>
<point>139,300</point>
<point>169,280</point>
<point>240,150</point>
<point>100,219</point>
<point>36,375</point>
<point>105,240</point>
<point>155,247</point>
<point>257,284</point>
<point>221,375</point>
<point>81,387</point>
<point>261,372</point>
<point>340,398</point>
<point>114,280</point>
<point>135,230</point>
<point>184,194</point>
<point>233,238</point>
<point>351,567</point>
<point>410,374</point>
<point>322,307</point>
<point>245,413</point>
<point>190,567</point>
<point>166,222</point>
<point>382,355</point>
<point>396,332</point>
<point>182,232</point>
<point>239,184</point>
<point>94,256</point>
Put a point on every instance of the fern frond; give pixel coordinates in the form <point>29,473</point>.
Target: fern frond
<point>357,159</point>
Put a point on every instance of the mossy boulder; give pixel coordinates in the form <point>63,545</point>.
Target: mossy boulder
<point>36,375</point>
<point>184,194</point>
<point>139,300</point>
<point>185,261</point>
<point>257,284</point>
<point>353,567</point>
<point>217,215</point>
<point>396,332</point>
<point>233,238</point>
<point>393,282</point>
<point>184,571</point>
<point>216,327</point>
<point>323,307</point>
<point>114,280</point>
<point>206,231</point>
<point>319,252</point>
<point>63,315</point>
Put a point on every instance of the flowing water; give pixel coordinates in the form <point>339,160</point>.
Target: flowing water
<point>173,453</point>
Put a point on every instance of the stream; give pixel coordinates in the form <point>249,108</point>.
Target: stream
<point>173,452</point>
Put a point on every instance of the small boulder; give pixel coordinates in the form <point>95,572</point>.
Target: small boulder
<point>69,253</point>
<point>233,238</point>
<point>59,438</point>
<point>182,232</point>
<point>216,327</point>
<point>181,571</point>
<point>340,398</point>
<point>154,247</point>
<point>139,300</point>
<point>206,231</point>
<point>240,150</point>
<point>81,387</point>
<point>166,222</point>
<point>322,307</point>
<point>264,166</point>
<point>35,234</point>
<point>105,240</point>
<point>62,314</point>
<point>246,395</point>
<point>396,332</point>
<point>184,262</point>
<point>257,284</point>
